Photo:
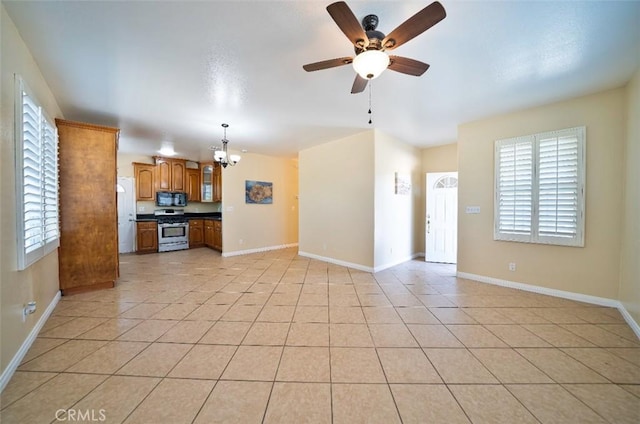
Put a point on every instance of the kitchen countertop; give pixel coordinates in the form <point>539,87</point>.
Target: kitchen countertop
<point>149,217</point>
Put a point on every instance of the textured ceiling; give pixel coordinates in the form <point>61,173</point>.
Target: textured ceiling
<point>170,73</point>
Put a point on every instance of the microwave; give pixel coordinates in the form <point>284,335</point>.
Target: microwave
<point>171,198</point>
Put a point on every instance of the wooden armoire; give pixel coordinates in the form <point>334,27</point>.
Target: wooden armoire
<point>88,254</point>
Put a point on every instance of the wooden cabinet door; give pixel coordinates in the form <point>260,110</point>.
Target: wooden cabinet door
<point>206,180</point>
<point>208,232</point>
<point>217,183</point>
<point>163,175</point>
<point>217,235</point>
<point>147,237</point>
<point>178,171</point>
<point>196,233</point>
<point>88,252</point>
<point>145,181</point>
<point>193,185</point>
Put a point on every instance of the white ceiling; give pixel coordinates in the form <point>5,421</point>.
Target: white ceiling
<point>173,72</point>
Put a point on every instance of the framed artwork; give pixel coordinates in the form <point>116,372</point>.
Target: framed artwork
<point>258,192</point>
<point>403,184</point>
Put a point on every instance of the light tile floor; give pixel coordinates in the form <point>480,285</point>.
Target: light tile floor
<point>190,337</point>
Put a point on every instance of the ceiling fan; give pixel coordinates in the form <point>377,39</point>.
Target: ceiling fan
<point>371,45</point>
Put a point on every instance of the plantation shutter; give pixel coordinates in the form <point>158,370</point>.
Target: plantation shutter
<point>50,184</point>
<point>514,188</point>
<point>539,188</point>
<point>560,187</point>
<point>31,173</point>
<point>36,179</point>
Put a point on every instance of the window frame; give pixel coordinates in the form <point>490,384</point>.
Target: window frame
<point>534,235</point>
<point>47,182</point>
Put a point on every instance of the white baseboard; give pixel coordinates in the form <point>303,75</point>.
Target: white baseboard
<point>579,297</point>
<point>258,250</point>
<point>398,262</point>
<point>336,261</point>
<point>627,317</point>
<point>17,358</point>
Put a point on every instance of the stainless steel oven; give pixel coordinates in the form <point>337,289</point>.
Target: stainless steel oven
<point>173,230</point>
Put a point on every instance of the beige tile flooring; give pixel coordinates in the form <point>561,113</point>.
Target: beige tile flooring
<point>190,337</point>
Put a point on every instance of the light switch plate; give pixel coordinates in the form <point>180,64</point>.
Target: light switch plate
<point>472,209</point>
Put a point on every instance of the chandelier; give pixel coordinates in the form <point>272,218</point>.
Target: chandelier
<point>221,155</point>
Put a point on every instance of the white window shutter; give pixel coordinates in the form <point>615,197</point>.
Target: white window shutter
<point>539,193</point>
<point>50,184</point>
<point>514,187</point>
<point>31,173</point>
<point>560,187</point>
<point>36,150</point>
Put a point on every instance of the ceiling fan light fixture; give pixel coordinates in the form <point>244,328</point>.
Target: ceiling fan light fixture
<point>371,63</point>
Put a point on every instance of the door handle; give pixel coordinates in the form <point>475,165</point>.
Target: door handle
<point>428,223</point>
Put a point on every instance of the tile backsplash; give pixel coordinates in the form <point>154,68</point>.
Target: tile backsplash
<point>146,207</point>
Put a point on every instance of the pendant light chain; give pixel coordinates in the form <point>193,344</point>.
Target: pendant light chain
<point>370,115</point>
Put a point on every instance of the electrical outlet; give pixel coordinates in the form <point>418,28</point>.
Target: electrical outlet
<point>512,266</point>
<point>141,209</point>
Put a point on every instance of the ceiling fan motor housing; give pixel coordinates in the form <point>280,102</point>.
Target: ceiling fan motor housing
<point>370,23</point>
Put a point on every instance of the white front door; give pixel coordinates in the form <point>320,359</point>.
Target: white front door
<point>126,215</point>
<point>441,224</point>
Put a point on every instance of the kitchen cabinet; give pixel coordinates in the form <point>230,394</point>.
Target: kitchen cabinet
<point>193,185</point>
<point>88,252</point>
<point>208,232</point>
<point>170,174</point>
<point>213,234</point>
<point>211,179</point>
<point>217,235</point>
<point>196,233</point>
<point>147,237</point>
<point>144,174</point>
<point>217,183</point>
<point>206,178</point>
<point>178,175</point>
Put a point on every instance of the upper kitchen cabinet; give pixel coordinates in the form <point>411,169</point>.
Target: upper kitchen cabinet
<point>145,181</point>
<point>170,174</point>
<point>217,183</point>
<point>88,253</point>
<point>193,185</point>
<point>211,177</point>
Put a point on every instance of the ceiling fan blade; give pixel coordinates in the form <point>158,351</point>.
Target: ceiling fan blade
<point>415,25</point>
<point>326,64</point>
<point>359,84</point>
<point>348,23</point>
<point>407,66</point>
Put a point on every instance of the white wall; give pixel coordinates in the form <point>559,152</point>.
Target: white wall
<point>337,200</point>
<point>349,212</point>
<point>251,227</point>
<point>39,282</point>
<point>630,265</point>
<point>592,270</point>
<point>397,217</point>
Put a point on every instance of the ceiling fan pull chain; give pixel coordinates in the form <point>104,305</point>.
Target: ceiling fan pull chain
<point>370,84</point>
